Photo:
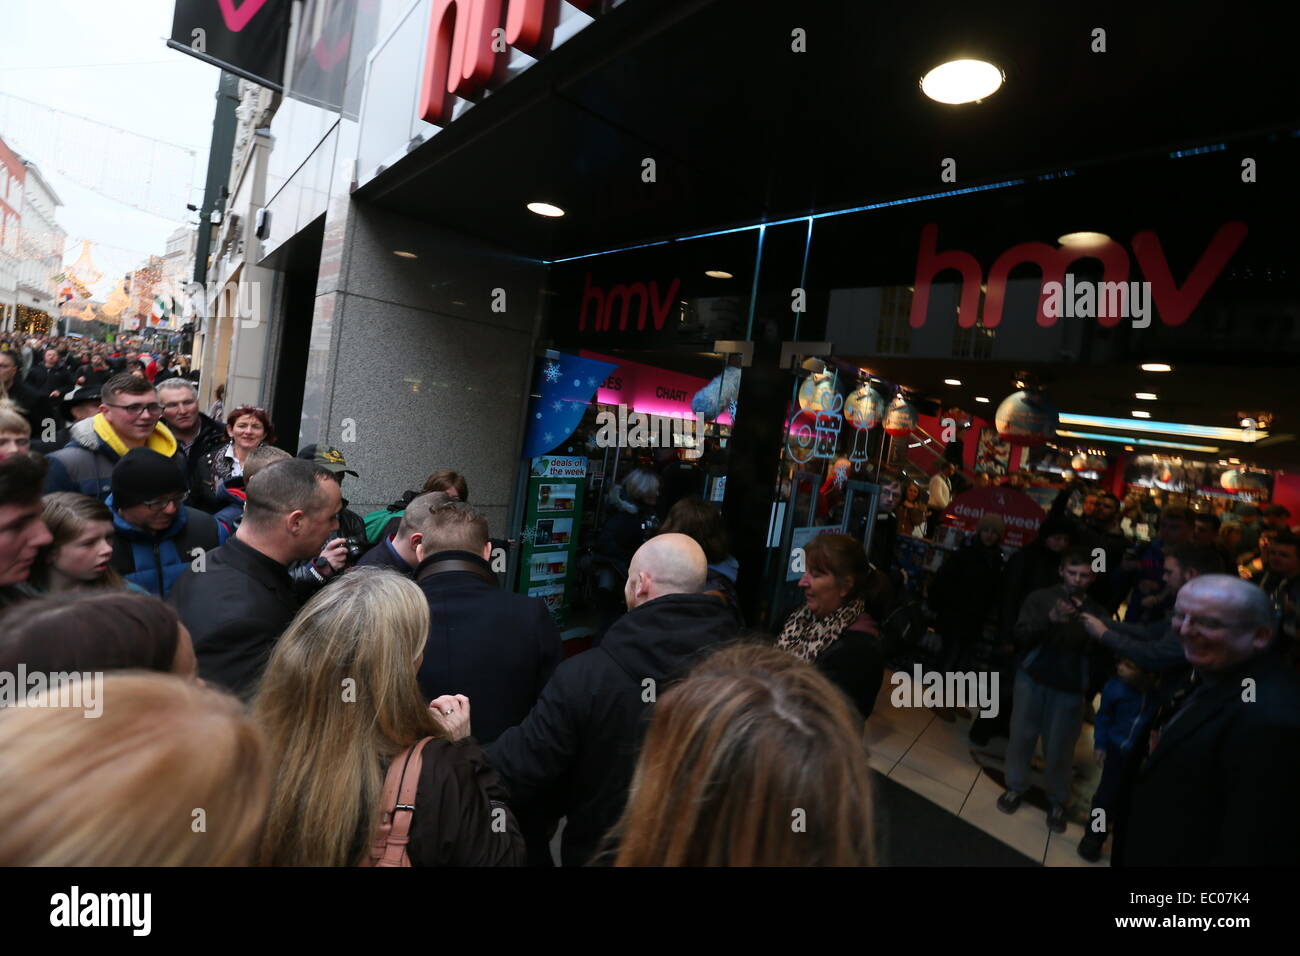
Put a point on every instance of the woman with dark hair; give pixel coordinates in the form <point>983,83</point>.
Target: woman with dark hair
<point>700,521</point>
<point>837,627</point>
<point>249,427</point>
<point>96,631</point>
<point>751,736</point>
<point>912,511</point>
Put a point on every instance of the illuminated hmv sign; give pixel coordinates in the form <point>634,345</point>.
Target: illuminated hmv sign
<point>466,38</point>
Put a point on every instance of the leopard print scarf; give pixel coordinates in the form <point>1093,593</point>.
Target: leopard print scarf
<point>806,637</point>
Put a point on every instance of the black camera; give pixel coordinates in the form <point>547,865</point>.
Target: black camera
<point>356,549</point>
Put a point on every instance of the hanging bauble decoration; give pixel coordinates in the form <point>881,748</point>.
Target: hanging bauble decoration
<point>817,392</point>
<point>865,407</point>
<point>1026,417</point>
<point>900,417</point>
<point>1079,462</point>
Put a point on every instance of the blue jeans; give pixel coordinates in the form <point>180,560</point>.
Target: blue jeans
<point>1057,717</point>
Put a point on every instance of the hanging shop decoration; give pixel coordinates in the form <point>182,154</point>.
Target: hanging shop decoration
<point>900,417</point>
<point>865,407</point>
<point>1026,417</point>
<point>817,393</point>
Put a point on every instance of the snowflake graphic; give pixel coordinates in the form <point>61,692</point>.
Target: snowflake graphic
<point>528,535</point>
<point>731,408</point>
<point>592,383</point>
<point>841,474</point>
<point>548,439</point>
<point>552,371</point>
<point>557,405</point>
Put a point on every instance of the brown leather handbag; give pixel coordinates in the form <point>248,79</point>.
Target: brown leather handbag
<point>397,806</point>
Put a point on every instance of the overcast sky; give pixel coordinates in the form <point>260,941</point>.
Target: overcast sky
<point>108,62</point>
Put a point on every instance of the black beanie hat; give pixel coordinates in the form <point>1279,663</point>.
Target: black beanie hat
<point>142,475</point>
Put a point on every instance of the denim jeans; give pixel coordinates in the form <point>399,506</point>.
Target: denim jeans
<point>1056,716</point>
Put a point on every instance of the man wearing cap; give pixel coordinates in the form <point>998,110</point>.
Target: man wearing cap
<point>157,536</point>
<point>196,433</point>
<point>351,524</point>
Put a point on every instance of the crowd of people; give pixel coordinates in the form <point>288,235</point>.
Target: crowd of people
<point>1163,616</point>
<point>209,581</point>
<point>307,674</point>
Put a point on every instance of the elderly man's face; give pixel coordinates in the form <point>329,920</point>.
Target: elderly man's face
<point>1215,633</point>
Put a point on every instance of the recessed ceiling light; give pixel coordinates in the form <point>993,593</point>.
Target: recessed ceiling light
<point>1141,414</point>
<point>981,398</point>
<point>717,274</point>
<point>404,255</point>
<point>1128,447</point>
<point>1156,367</point>
<point>545,209</point>
<point>962,81</point>
<point>1146,396</point>
<point>1083,239</point>
<point>952,381</point>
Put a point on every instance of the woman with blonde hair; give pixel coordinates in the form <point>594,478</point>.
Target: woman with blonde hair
<point>755,759</point>
<point>131,787</point>
<point>339,702</point>
<point>80,556</point>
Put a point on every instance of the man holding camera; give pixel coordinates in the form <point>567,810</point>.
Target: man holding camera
<point>346,546</point>
<point>1051,685</point>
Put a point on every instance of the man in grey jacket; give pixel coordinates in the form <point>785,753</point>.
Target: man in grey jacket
<point>1051,685</point>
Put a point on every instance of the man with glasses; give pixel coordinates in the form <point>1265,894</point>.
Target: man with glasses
<point>1219,776</point>
<point>129,417</point>
<point>195,432</point>
<point>157,535</point>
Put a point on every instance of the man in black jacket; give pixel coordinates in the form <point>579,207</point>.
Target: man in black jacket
<point>237,606</point>
<point>577,748</point>
<point>1221,777</point>
<point>195,433</point>
<point>497,648</point>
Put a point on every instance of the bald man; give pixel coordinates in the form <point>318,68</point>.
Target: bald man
<point>575,752</point>
<point>1220,782</point>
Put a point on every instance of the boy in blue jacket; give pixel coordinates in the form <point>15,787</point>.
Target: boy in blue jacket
<point>1127,705</point>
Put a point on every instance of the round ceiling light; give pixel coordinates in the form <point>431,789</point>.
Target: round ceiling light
<point>545,209</point>
<point>962,81</point>
<point>981,398</point>
<point>1146,396</point>
<point>1156,367</point>
<point>1082,239</point>
<point>717,274</point>
<point>404,255</point>
<point>952,381</point>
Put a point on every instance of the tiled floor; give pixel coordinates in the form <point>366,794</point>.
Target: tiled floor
<point>933,758</point>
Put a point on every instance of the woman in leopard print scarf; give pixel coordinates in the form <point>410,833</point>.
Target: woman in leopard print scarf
<point>834,629</point>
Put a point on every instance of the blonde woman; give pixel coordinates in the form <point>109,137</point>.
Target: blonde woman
<point>338,702</point>
<point>755,759</point>
<point>80,556</point>
<point>125,789</point>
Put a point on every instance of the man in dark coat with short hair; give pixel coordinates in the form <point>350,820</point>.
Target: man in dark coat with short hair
<point>577,748</point>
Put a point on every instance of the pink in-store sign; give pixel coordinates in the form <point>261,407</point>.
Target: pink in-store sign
<point>650,390</point>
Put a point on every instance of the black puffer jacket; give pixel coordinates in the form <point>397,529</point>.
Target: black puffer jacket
<point>211,438</point>
<point>577,748</point>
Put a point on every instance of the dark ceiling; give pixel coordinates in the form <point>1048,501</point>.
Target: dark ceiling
<point>743,129</point>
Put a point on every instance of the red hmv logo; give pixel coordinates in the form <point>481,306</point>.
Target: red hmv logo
<point>1174,302</point>
<point>624,295</point>
<point>465,38</point>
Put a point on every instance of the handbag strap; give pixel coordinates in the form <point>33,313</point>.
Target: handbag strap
<point>398,808</point>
